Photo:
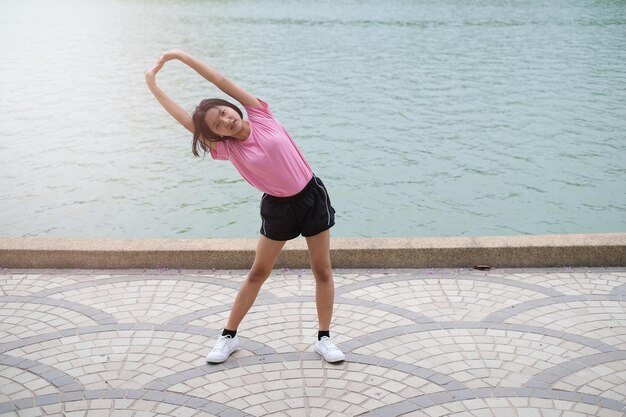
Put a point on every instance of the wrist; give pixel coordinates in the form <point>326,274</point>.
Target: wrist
<point>182,56</point>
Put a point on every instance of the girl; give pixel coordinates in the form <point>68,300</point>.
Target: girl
<point>294,201</point>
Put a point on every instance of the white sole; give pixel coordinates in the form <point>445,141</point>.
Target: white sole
<point>225,359</point>
<point>320,353</point>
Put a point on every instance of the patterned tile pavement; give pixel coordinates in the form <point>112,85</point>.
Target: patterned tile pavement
<point>511,342</point>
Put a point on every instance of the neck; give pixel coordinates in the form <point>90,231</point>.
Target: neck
<point>244,132</point>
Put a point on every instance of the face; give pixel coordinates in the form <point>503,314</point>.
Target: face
<point>223,121</point>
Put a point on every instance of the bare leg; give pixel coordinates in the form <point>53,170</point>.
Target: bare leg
<point>267,252</point>
<point>319,254</point>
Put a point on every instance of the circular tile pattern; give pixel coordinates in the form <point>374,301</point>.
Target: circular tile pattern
<point>606,380</point>
<point>121,359</point>
<point>289,326</point>
<point>17,384</point>
<point>151,300</point>
<point>598,319</point>
<point>19,320</point>
<point>479,357</point>
<point>27,284</point>
<point>114,408</point>
<point>446,299</point>
<point>514,407</point>
<point>577,283</point>
<point>427,343</point>
<point>348,388</point>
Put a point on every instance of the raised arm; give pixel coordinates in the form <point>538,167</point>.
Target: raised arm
<point>221,82</point>
<point>168,104</point>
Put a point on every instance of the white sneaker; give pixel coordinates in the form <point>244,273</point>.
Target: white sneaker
<point>224,346</point>
<point>328,350</point>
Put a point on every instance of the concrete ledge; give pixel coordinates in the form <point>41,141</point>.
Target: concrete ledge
<point>589,250</point>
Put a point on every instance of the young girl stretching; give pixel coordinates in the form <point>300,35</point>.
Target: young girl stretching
<point>294,201</point>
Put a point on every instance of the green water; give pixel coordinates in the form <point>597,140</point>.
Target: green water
<point>424,118</point>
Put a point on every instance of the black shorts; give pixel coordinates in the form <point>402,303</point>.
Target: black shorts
<point>308,213</point>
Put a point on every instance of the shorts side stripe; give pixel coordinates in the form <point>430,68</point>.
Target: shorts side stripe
<point>326,200</point>
<point>262,218</point>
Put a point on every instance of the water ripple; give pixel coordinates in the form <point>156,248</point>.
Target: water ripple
<point>443,118</point>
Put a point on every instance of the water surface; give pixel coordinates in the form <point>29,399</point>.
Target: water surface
<point>424,118</point>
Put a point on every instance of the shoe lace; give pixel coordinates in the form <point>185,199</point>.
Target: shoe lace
<point>222,343</point>
<point>328,344</point>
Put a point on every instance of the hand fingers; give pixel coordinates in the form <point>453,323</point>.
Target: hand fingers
<point>149,74</point>
<point>158,65</point>
<point>156,68</point>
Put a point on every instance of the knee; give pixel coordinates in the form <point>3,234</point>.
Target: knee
<point>258,275</point>
<point>323,274</point>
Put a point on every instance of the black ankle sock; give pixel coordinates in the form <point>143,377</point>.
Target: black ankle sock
<point>323,333</point>
<point>231,333</point>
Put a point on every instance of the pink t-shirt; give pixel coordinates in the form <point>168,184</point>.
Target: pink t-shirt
<point>269,159</point>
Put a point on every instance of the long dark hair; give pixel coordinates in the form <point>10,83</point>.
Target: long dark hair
<point>202,130</point>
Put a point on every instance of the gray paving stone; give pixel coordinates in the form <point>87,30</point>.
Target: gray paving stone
<point>617,355</point>
<point>94,394</point>
<point>135,394</point>
<point>6,407</point>
<point>368,360</point>
<point>350,346</point>
<point>175,327</point>
<point>144,326</point>
<point>567,368</point>
<point>424,373</point>
<point>50,374</point>
<point>67,332</point>
<point>213,408</point>
<point>537,384</point>
<point>569,396</point>
<point>590,399</point>
<point>196,403</point>
<point>114,393</point>
<point>72,396</point>
<point>24,403</point>
<point>173,398</point>
<point>482,392</point>
<point>156,396</point>
<point>439,379</point>
<point>404,367</point>
<point>10,360</point>
<point>173,379</point>
<point>462,394</point>
<point>63,380</point>
<point>88,330</point>
<point>157,386</point>
<point>441,397</point>
<point>545,393</point>
<point>400,408</point>
<point>387,363</point>
<point>47,399</point>
<point>505,392</point>
<point>373,357</point>
<point>291,356</point>
<point>611,404</point>
<point>422,401</point>
<point>249,360</point>
<point>229,412</point>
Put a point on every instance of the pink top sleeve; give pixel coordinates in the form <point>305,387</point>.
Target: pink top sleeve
<point>221,152</point>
